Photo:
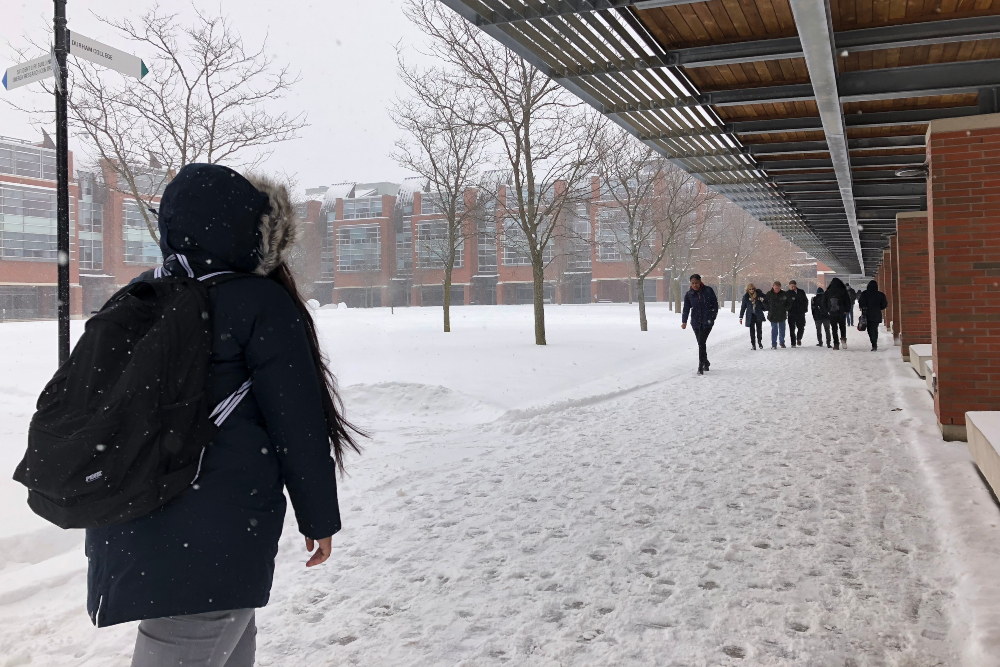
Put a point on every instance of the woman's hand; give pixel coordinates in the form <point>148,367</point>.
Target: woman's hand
<point>323,546</point>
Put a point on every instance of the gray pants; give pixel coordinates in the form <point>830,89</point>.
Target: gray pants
<point>214,639</point>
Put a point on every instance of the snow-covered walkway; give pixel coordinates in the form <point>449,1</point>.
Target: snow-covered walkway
<point>777,511</point>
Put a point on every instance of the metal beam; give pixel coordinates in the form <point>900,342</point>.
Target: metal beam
<point>519,12</point>
<point>812,18</point>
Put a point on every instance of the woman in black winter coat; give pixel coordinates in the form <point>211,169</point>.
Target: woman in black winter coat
<point>837,302</point>
<point>194,570</point>
<point>872,302</point>
<point>753,308</point>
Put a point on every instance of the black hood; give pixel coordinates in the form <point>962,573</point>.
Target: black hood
<point>819,290</point>
<point>836,285</point>
<point>221,220</point>
<point>872,287</point>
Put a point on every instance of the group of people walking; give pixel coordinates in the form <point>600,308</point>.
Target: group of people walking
<point>832,311</point>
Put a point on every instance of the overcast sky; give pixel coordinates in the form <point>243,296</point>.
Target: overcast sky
<point>344,51</point>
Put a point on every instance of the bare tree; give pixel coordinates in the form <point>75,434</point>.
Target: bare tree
<point>653,201</point>
<point>546,138</point>
<point>449,153</point>
<point>204,100</point>
<point>737,244</point>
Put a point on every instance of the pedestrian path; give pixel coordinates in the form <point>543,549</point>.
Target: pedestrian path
<point>768,513</point>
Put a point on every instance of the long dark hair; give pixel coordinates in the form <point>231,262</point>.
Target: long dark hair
<point>341,432</point>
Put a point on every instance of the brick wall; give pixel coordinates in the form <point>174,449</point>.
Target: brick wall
<point>964,259</point>
<point>913,279</point>
<point>887,272</point>
<point>894,279</point>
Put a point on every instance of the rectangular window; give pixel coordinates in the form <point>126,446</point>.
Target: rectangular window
<point>28,223</point>
<point>91,217</point>
<point>91,254</point>
<point>328,255</point>
<point>363,207</point>
<point>433,247</point>
<point>430,204</point>
<point>140,248</point>
<point>611,236</point>
<point>487,248</point>
<point>404,253</point>
<point>579,242</point>
<point>27,160</point>
<point>515,246</point>
<point>359,248</point>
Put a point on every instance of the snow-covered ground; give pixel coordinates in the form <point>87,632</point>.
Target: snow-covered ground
<point>593,502</point>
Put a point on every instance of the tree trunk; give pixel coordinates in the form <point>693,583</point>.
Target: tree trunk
<point>641,293</point>
<point>733,286</point>
<point>447,300</point>
<point>630,291</point>
<point>538,276</point>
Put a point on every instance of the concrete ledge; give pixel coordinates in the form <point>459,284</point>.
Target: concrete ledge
<point>930,377</point>
<point>984,444</point>
<point>963,124</point>
<point>919,354</point>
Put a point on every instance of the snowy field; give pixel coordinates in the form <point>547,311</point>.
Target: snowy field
<point>594,502</point>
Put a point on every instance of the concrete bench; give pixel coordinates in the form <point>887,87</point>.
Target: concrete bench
<point>929,378</point>
<point>984,444</point>
<point>919,354</point>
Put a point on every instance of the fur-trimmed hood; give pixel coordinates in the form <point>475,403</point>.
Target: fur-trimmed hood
<point>221,220</point>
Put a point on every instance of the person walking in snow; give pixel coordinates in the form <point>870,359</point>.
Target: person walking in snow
<point>797,308</point>
<point>194,570</point>
<point>853,296</point>
<point>872,302</point>
<point>753,308</point>
<point>837,302</point>
<point>821,317</point>
<point>776,304</point>
<point>702,305</point>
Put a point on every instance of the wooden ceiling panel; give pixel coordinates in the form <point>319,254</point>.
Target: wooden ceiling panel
<point>851,14</point>
<point>719,22</point>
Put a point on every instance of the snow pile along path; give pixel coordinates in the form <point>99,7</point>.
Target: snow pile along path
<point>772,512</point>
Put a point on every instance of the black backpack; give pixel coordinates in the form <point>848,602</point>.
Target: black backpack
<point>122,426</point>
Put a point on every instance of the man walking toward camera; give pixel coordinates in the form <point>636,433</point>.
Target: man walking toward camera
<point>702,305</point>
<point>798,304</point>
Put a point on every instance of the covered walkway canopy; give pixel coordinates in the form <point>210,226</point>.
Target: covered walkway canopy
<point>810,114</point>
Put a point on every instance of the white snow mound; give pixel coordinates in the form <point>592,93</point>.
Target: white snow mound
<point>403,403</point>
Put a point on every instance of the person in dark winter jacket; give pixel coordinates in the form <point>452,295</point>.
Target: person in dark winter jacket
<point>821,317</point>
<point>753,308</point>
<point>837,302</point>
<point>853,296</point>
<point>702,305</point>
<point>194,570</point>
<point>798,306</point>
<point>776,304</point>
<point>872,302</point>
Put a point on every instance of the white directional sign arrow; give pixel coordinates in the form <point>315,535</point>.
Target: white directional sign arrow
<point>29,72</point>
<point>108,56</point>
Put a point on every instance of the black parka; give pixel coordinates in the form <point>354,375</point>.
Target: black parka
<point>872,302</point>
<point>776,304</point>
<point>755,310</point>
<point>212,548</point>
<point>836,299</point>
<point>819,311</point>
<point>798,304</point>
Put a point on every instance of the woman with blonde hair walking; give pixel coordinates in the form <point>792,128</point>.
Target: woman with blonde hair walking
<point>753,301</point>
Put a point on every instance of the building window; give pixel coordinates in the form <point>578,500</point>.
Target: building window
<point>364,207</point>
<point>28,223</point>
<point>487,248</point>
<point>91,217</point>
<point>579,242</point>
<point>91,254</point>
<point>328,260</point>
<point>404,253</point>
<point>611,233</point>
<point>432,245</point>
<point>140,248</point>
<point>430,204</point>
<point>27,160</point>
<point>515,246</point>
<point>359,248</point>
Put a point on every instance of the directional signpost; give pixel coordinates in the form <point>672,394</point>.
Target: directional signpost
<point>54,64</point>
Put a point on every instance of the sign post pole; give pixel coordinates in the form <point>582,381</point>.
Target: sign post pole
<point>62,183</point>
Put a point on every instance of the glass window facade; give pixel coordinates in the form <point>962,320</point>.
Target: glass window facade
<point>91,243</point>
<point>328,258</point>
<point>140,248</point>
<point>27,160</point>
<point>432,245</point>
<point>359,248</point>
<point>28,223</point>
<point>363,207</point>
